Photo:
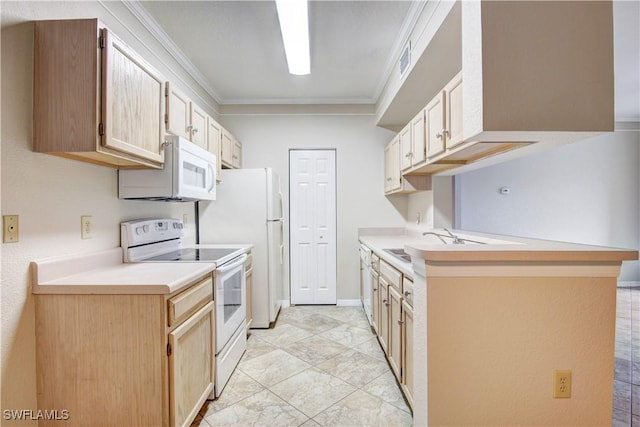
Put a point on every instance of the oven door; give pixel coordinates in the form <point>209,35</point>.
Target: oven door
<point>230,296</point>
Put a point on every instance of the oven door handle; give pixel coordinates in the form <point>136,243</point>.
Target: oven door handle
<point>232,264</point>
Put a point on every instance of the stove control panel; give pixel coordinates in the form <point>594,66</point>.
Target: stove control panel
<point>153,230</point>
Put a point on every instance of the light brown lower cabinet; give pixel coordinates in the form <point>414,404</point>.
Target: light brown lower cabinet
<point>394,353</point>
<point>115,360</point>
<point>407,352</point>
<point>384,304</point>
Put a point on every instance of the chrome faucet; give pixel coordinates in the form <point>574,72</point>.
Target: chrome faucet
<point>456,239</point>
<point>435,234</point>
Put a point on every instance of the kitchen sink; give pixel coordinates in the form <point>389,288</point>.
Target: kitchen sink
<point>400,254</point>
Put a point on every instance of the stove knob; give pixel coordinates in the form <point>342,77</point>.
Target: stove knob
<point>138,230</point>
<point>145,228</point>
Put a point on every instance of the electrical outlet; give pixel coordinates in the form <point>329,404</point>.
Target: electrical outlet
<point>86,228</point>
<point>9,228</point>
<point>561,384</point>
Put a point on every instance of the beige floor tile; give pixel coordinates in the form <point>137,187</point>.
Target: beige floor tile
<point>273,367</point>
<point>362,409</point>
<point>371,348</point>
<point>240,386</point>
<point>386,388</point>
<point>312,391</point>
<point>257,347</point>
<point>282,335</point>
<point>315,349</point>
<point>354,367</point>
<point>348,335</point>
<point>261,409</point>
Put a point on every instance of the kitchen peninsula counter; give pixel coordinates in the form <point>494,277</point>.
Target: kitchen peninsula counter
<point>493,321</point>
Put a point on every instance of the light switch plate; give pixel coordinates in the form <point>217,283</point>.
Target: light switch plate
<point>86,227</point>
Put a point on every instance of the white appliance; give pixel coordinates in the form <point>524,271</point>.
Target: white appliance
<point>189,174</point>
<point>160,240</point>
<point>248,208</point>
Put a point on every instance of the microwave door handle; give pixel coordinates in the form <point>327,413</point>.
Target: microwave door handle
<point>212,177</point>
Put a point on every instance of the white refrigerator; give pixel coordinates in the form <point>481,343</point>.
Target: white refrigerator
<point>248,209</point>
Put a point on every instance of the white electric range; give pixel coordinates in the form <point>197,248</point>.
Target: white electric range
<point>160,240</point>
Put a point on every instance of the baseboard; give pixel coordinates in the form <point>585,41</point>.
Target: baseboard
<point>628,284</point>
<point>285,303</point>
<point>348,302</point>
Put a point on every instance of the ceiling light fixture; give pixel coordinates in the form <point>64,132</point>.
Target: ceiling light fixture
<point>294,27</point>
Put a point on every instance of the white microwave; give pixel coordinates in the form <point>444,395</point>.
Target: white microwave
<point>189,174</point>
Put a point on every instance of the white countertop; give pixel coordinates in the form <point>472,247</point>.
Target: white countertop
<point>104,273</point>
<point>496,248</point>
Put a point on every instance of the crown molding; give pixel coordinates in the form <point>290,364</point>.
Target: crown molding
<point>158,32</point>
<point>297,109</point>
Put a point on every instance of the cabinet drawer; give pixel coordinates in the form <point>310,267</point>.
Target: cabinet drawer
<point>188,302</point>
<point>407,287</point>
<point>393,276</point>
<point>375,262</point>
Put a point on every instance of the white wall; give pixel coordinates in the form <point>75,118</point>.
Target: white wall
<point>50,194</point>
<point>359,148</point>
<point>583,192</point>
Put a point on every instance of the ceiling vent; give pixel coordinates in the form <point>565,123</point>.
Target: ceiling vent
<point>405,59</point>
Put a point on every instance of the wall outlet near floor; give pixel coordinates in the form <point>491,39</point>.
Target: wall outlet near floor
<point>86,227</point>
<point>9,228</point>
<point>561,384</point>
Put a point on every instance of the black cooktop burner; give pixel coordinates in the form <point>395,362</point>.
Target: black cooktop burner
<point>194,254</point>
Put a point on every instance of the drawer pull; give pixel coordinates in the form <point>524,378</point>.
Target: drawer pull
<point>400,322</point>
<point>407,293</point>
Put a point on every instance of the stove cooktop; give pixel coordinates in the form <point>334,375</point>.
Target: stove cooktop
<point>195,254</point>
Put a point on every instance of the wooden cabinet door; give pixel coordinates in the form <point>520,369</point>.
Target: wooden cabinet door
<point>407,351</point>
<point>387,168</point>
<point>237,154</point>
<point>406,148</point>
<point>418,153</point>
<point>177,112</point>
<point>435,125</point>
<point>191,369</point>
<point>227,149</point>
<point>198,126</point>
<point>396,178</point>
<point>453,110</point>
<point>214,144</point>
<point>132,102</point>
<point>375,300</point>
<point>383,326</point>
<point>395,331</point>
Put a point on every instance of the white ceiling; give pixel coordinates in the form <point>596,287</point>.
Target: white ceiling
<point>237,48</point>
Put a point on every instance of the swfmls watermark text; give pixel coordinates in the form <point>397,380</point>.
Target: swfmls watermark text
<point>40,414</point>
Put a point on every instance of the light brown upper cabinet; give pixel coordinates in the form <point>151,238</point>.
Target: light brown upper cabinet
<point>95,99</point>
<point>412,142</point>
<point>231,151</point>
<point>214,144</point>
<point>184,118</point>
<point>394,181</point>
<point>452,132</point>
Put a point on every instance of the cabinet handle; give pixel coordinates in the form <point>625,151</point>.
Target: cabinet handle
<point>407,293</point>
<point>439,135</point>
<point>388,179</point>
<point>375,289</point>
<point>189,128</point>
<point>385,302</point>
<point>400,322</point>
<point>195,130</point>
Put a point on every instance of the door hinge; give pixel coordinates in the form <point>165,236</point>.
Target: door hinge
<point>166,90</point>
<point>168,349</point>
<point>102,42</point>
<point>166,119</point>
<point>100,129</point>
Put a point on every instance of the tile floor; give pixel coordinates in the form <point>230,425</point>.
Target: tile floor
<point>626,384</point>
<point>320,365</point>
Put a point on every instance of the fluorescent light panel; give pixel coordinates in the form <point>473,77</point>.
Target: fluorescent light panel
<point>294,26</point>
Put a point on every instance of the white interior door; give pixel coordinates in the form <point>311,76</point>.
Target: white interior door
<point>312,192</point>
